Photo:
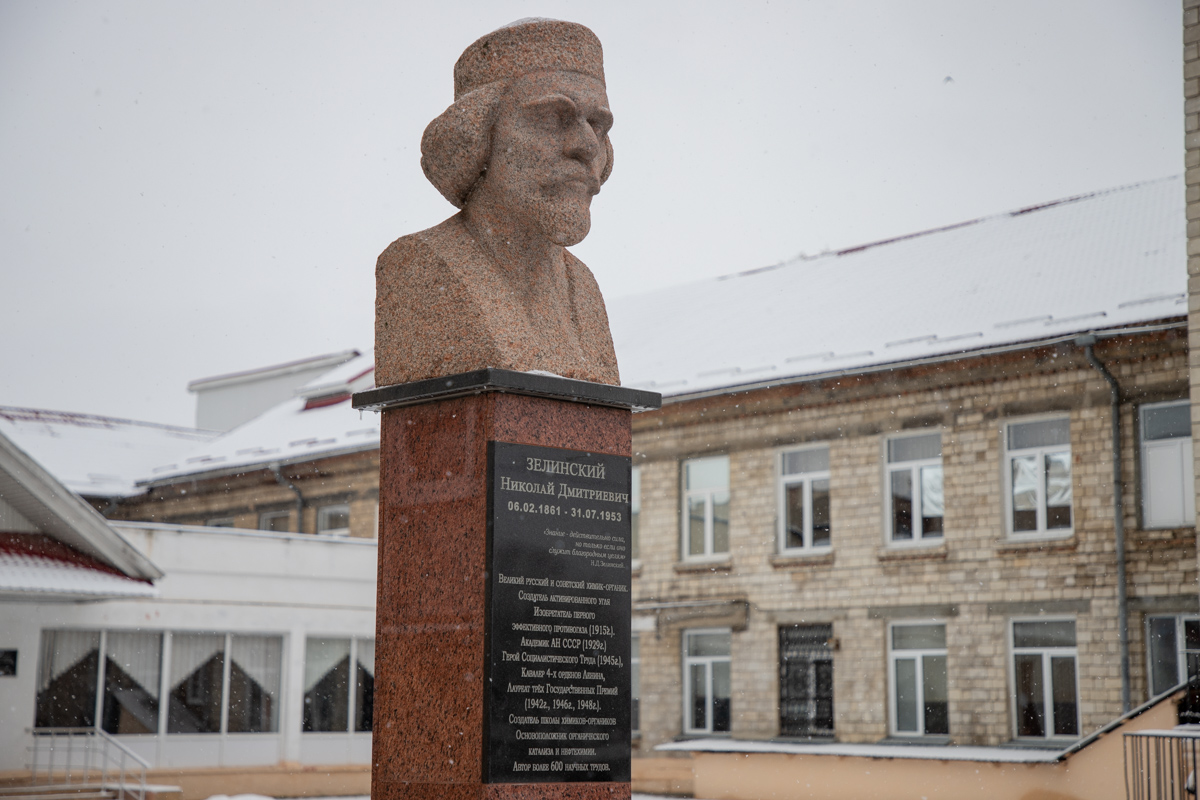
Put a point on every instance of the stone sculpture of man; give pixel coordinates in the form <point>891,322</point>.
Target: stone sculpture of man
<point>521,152</point>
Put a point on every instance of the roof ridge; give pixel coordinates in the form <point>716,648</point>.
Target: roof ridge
<point>949,227</point>
<point>27,414</point>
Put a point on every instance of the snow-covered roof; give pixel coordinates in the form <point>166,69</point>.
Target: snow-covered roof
<point>33,566</point>
<point>1095,261</point>
<point>96,456</point>
<point>1089,263</point>
<point>34,503</point>
<point>318,422</point>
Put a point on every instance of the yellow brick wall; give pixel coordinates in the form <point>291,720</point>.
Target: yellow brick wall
<point>978,569</point>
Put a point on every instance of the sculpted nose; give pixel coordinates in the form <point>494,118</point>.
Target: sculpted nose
<point>582,142</point>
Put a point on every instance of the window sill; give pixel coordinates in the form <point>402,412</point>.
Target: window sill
<point>1040,543</point>
<point>930,552</point>
<point>822,558</point>
<point>712,565</point>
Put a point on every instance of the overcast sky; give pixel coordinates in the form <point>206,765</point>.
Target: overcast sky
<point>189,189</point>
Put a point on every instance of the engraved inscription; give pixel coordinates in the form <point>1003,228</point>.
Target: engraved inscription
<point>559,606</point>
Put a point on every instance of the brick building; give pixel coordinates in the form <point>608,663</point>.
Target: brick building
<point>877,503</point>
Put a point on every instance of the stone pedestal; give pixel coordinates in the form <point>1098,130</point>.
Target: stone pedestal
<point>431,662</point>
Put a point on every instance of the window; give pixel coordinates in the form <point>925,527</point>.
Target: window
<point>1174,651</point>
<point>70,667</point>
<point>920,695</point>
<point>804,495</point>
<point>635,510</point>
<point>1044,678</point>
<point>635,683</point>
<point>1168,484</point>
<point>706,506</point>
<point>331,703</point>
<point>334,520</point>
<point>125,687</point>
<point>132,675</point>
<point>706,681</point>
<point>278,521</point>
<point>1039,475</point>
<point>914,488</point>
<point>806,681</point>
<point>220,522</point>
<point>202,685</point>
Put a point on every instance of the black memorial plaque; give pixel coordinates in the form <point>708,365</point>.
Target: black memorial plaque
<point>558,702</point>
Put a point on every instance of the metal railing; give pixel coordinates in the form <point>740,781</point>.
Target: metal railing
<point>1161,765</point>
<point>77,756</point>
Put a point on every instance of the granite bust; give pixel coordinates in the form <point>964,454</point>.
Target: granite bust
<point>521,152</point>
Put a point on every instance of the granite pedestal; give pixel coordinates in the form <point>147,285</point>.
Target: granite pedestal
<point>431,631</point>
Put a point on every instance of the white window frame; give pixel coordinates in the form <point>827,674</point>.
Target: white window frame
<point>918,655</point>
<point>708,661</point>
<point>1184,516</point>
<point>1047,653</point>
<point>709,554</point>
<point>805,479</point>
<point>324,511</point>
<point>913,467</point>
<point>1181,649</point>
<point>1039,452</point>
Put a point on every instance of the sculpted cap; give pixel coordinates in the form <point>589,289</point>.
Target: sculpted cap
<point>528,45</point>
<point>456,146</point>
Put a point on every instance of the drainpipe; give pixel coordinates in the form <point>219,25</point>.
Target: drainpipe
<point>1114,393</point>
<point>284,482</point>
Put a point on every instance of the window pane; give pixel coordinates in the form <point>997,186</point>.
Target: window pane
<point>721,695</point>
<point>794,508</point>
<point>1045,433</point>
<point>635,509</point>
<point>720,510</point>
<point>902,496</point>
<point>706,473</point>
<point>333,519</point>
<point>364,687</point>
<point>1164,657</point>
<point>1062,675</point>
<point>1024,493</point>
<point>815,459</point>
<point>1058,633</point>
<point>699,681</point>
<point>915,448</point>
<point>1191,634</point>
<point>254,674</point>
<point>820,513</point>
<point>132,669</point>
<point>197,670</point>
<point>70,665</point>
<point>1166,421</point>
<point>1058,490</point>
<point>326,685</point>
<point>696,526</point>
<point>1031,712</point>
<point>906,695</point>
<point>932,503</point>
<point>635,680</point>
<point>919,637</point>
<point>937,695</point>
<point>274,521</point>
<point>708,644</point>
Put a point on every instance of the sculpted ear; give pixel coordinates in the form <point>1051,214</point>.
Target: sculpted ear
<point>456,146</point>
<point>608,151</point>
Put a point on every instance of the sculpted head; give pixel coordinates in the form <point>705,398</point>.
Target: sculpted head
<point>526,139</point>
